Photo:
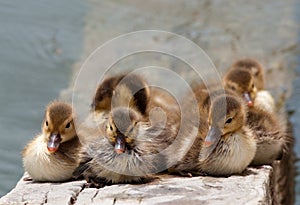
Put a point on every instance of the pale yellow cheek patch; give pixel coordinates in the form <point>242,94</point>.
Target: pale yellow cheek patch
<point>129,140</point>
<point>112,138</point>
<point>110,135</point>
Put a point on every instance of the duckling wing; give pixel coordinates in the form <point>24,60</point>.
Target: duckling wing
<point>83,167</point>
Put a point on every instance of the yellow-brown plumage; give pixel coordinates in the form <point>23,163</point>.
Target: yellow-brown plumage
<point>51,155</point>
<point>121,90</point>
<point>242,82</point>
<point>230,145</point>
<point>271,136</point>
<point>254,67</point>
<point>126,142</point>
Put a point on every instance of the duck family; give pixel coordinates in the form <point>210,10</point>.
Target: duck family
<point>135,131</point>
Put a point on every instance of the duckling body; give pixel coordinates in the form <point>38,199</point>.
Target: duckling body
<point>224,145</point>
<point>109,159</point>
<point>270,134</point>
<point>127,151</point>
<point>229,146</point>
<point>127,143</point>
<point>188,165</point>
<point>51,155</point>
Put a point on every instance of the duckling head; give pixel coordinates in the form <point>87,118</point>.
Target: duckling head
<point>129,90</point>
<point>122,128</point>
<point>254,68</point>
<point>241,82</point>
<point>132,91</point>
<point>104,93</point>
<point>58,125</point>
<point>226,115</point>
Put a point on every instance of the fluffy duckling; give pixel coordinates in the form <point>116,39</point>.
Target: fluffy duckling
<point>254,68</point>
<point>122,90</point>
<point>126,143</point>
<point>51,155</point>
<point>126,150</point>
<point>229,147</point>
<point>271,136</point>
<point>243,83</point>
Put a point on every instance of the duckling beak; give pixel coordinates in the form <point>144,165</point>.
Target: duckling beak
<point>211,140</point>
<point>248,99</point>
<point>120,144</point>
<point>53,143</point>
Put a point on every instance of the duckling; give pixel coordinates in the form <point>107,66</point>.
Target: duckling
<point>128,91</point>
<point>51,155</point>
<point>242,82</point>
<point>128,150</point>
<point>126,144</point>
<point>115,91</point>
<point>271,136</point>
<point>254,68</point>
<point>230,145</point>
<point>121,90</point>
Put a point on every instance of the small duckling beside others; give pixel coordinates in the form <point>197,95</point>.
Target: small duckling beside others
<point>242,82</point>
<point>124,144</point>
<point>230,145</point>
<point>51,156</point>
<point>114,155</point>
<point>271,136</point>
<point>225,145</point>
<point>126,150</point>
<point>254,67</point>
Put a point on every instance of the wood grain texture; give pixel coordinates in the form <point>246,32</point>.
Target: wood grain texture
<point>253,187</point>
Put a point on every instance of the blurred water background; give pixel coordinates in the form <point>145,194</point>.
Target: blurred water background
<point>40,41</point>
<point>43,44</point>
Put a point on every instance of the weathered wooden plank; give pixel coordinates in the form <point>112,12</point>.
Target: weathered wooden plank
<point>255,186</point>
<point>27,192</point>
<point>251,188</point>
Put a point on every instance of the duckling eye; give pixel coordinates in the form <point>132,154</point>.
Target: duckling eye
<point>47,123</point>
<point>111,128</point>
<point>232,87</point>
<point>68,125</point>
<point>228,121</point>
<point>252,86</point>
